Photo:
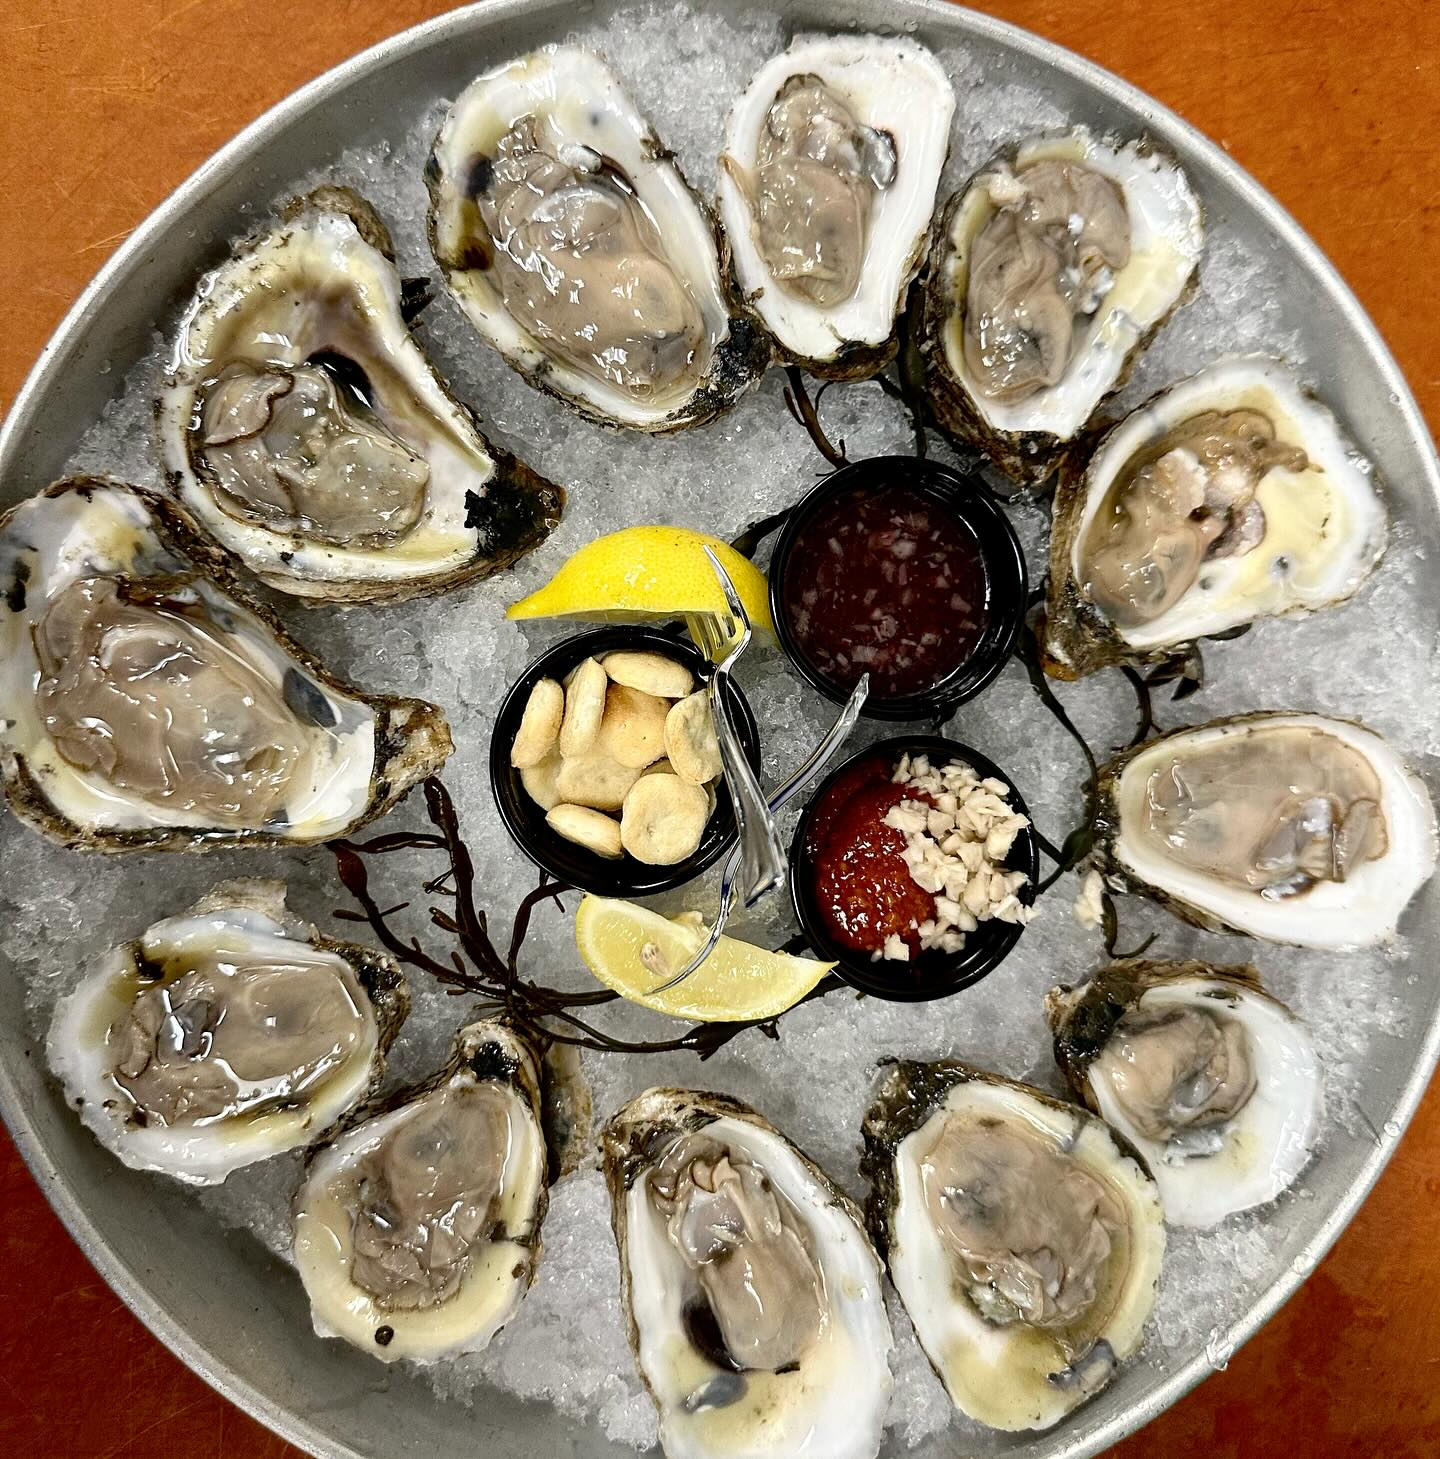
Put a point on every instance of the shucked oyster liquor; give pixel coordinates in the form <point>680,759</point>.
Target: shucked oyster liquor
<point>827,182</point>
<point>752,1295</point>
<point>308,434</point>
<point>417,1230</point>
<point>1022,1235</point>
<point>1291,827</point>
<point>145,707</point>
<point>1050,271</point>
<point>571,241</point>
<point>225,1035</point>
<point>1216,1083</point>
<point>1229,497</point>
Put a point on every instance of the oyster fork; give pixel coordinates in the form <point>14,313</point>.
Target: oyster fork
<point>813,763</point>
<point>722,639</point>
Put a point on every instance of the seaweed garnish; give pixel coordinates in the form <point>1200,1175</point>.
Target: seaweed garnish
<point>1080,841</point>
<point>474,966</point>
<point>806,413</point>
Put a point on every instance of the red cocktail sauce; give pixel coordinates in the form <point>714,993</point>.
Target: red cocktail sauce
<point>889,582</point>
<point>863,888</point>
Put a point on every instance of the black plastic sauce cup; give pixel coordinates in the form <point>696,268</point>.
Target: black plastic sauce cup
<point>934,973</point>
<point>1002,566</point>
<point>572,864</point>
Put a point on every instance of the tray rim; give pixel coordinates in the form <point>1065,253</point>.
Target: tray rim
<point>67,339</point>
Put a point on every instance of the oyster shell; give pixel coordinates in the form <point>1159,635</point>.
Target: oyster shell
<point>1229,497</point>
<point>1051,270</point>
<point>571,241</point>
<point>417,1230</point>
<point>1292,827</point>
<point>306,432</point>
<point>827,183</point>
<point>1216,1083</point>
<point>1022,1234</point>
<point>242,739</point>
<point>752,1295</point>
<point>224,1036</point>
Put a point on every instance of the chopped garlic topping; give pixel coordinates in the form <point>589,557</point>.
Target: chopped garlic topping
<point>1089,904</point>
<point>956,841</point>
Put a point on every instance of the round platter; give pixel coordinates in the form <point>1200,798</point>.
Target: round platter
<point>216,1295</point>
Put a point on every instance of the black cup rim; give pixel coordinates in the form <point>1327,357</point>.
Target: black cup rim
<point>1006,579</point>
<point>934,974</point>
<point>525,821</point>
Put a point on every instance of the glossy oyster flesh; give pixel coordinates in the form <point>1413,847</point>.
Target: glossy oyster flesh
<point>306,432</point>
<point>1216,1083</point>
<point>145,706</point>
<point>574,246</point>
<point>417,1230</point>
<point>752,1294</point>
<point>1229,497</point>
<point>1051,270</point>
<point>827,183</point>
<point>1023,1236</point>
<point>224,1036</point>
<point>1292,827</point>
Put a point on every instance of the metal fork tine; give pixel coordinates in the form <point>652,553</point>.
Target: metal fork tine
<point>727,586</point>
<point>762,856</point>
<point>811,766</point>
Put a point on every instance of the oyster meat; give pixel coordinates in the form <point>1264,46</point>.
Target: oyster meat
<point>417,1230</point>
<point>1051,270</point>
<point>306,432</point>
<point>1229,497</point>
<point>753,1297</point>
<point>827,183</point>
<point>1214,1082</point>
<point>574,246</point>
<point>145,707</point>
<point>224,1036</point>
<point>1292,827</point>
<point>1023,1236</point>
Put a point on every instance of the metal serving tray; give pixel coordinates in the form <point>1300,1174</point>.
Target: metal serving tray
<point>221,1302</point>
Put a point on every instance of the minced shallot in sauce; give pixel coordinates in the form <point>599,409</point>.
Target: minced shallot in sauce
<point>887,582</point>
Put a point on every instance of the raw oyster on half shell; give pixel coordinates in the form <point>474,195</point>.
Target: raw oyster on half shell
<point>568,236</point>
<point>753,1297</point>
<point>1229,497</point>
<point>1050,271</point>
<point>225,1035</point>
<point>306,432</point>
<point>1216,1083</point>
<point>417,1230</point>
<point>144,706</point>
<point>827,183</point>
<point>1292,827</point>
<point>1022,1234</point>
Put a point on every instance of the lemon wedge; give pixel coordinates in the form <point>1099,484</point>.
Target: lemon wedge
<point>632,950</point>
<point>641,574</point>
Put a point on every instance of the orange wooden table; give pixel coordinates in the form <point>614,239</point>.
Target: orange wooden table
<point>1334,105</point>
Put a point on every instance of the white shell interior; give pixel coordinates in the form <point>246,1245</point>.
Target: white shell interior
<point>205,1152</point>
<point>1165,242</point>
<point>490,1291</point>
<point>585,103</point>
<point>1324,526</point>
<point>109,529</point>
<point>1267,1144</point>
<point>834,1406</point>
<point>321,250</point>
<point>1363,909</point>
<point>1006,1376</point>
<point>894,86</point>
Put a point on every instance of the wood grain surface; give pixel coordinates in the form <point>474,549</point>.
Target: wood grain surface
<point>106,105</point>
